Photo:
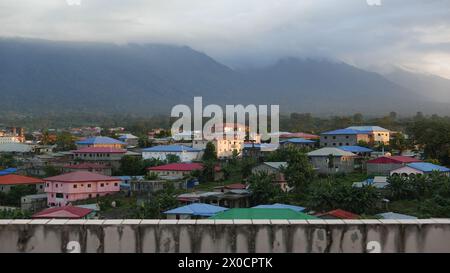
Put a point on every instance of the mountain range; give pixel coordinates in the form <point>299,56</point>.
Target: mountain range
<point>39,76</point>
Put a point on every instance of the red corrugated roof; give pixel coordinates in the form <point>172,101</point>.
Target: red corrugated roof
<point>393,160</point>
<point>87,166</point>
<point>178,167</point>
<point>341,214</point>
<point>81,176</point>
<point>68,212</point>
<point>100,150</point>
<point>14,179</point>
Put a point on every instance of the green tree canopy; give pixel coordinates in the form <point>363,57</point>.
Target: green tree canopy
<point>264,190</point>
<point>299,171</point>
<point>210,152</point>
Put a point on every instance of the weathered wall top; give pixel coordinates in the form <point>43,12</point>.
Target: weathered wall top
<point>225,236</point>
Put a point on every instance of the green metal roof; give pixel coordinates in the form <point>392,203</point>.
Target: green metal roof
<point>257,213</point>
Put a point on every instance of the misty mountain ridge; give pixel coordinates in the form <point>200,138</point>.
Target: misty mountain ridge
<point>37,76</point>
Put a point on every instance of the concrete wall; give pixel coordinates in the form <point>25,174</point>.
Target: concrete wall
<point>224,236</point>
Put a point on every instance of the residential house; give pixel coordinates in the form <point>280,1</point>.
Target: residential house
<point>101,155</point>
<point>274,168</point>
<point>9,181</point>
<point>194,211</point>
<point>185,153</point>
<point>420,168</point>
<point>33,202</point>
<point>129,139</point>
<point>298,142</point>
<point>66,212</point>
<point>331,160</point>
<point>139,186</point>
<point>229,199</point>
<point>385,164</point>
<point>16,148</point>
<point>376,134</point>
<point>338,214</point>
<point>224,146</point>
<point>363,154</point>
<point>227,138</point>
<point>68,187</point>
<point>178,170</point>
<point>37,164</point>
<point>258,151</point>
<point>12,135</point>
<point>351,136</point>
<point>395,216</point>
<point>101,142</point>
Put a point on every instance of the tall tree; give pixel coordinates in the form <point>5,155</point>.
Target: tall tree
<point>264,190</point>
<point>131,165</point>
<point>299,171</point>
<point>210,152</point>
<point>65,142</point>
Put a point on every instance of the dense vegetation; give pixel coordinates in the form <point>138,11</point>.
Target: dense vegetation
<point>426,196</point>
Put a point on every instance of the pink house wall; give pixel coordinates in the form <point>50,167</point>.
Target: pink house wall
<point>73,191</point>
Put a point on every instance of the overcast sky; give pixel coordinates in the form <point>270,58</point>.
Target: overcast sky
<point>414,34</point>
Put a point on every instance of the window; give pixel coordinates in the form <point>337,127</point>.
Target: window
<point>48,185</point>
<point>67,197</point>
<point>334,137</point>
<point>326,137</point>
<point>59,195</point>
<point>107,184</point>
<point>75,186</point>
<point>102,185</point>
<point>347,137</point>
<point>89,185</point>
<point>90,195</point>
<point>56,185</point>
<point>115,184</point>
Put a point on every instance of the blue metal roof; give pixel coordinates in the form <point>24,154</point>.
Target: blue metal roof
<point>100,140</point>
<point>8,171</point>
<point>345,132</point>
<point>368,128</point>
<point>393,215</point>
<point>171,148</point>
<point>355,149</point>
<point>197,209</point>
<point>427,167</point>
<point>280,206</point>
<point>298,141</point>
